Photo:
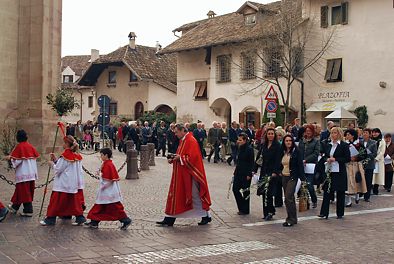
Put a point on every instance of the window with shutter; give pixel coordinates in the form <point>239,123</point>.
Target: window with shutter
<point>200,90</point>
<point>336,15</point>
<point>345,11</point>
<point>242,117</point>
<point>324,16</point>
<point>334,70</point>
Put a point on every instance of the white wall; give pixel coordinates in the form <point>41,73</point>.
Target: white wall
<point>366,48</point>
<point>158,95</point>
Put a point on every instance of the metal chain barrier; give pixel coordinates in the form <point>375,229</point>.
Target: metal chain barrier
<point>89,173</point>
<point>97,177</point>
<point>4,178</point>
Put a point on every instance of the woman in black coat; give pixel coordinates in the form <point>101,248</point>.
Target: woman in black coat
<point>337,154</point>
<point>243,174</point>
<point>271,155</point>
<point>292,169</point>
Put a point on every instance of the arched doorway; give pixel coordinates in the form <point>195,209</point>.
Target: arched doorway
<point>165,109</point>
<point>222,108</point>
<point>138,110</point>
<point>250,114</point>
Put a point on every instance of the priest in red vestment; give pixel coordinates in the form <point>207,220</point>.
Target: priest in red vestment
<point>188,195</point>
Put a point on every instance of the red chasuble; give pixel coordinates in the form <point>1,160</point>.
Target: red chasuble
<point>109,171</point>
<point>24,150</point>
<point>179,198</point>
<point>71,156</point>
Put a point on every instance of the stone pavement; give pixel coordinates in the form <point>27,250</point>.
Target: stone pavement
<point>364,236</point>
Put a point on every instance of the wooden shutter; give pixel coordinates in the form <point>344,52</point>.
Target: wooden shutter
<point>324,16</point>
<point>242,117</point>
<point>203,87</point>
<point>345,13</point>
<point>336,69</point>
<point>197,86</point>
<point>330,65</point>
<point>257,120</point>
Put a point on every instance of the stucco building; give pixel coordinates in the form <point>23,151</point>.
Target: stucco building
<point>220,77</point>
<point>357,70</point>
<point>136,78</point>
<point>30,65</point>
<point>73,67</point>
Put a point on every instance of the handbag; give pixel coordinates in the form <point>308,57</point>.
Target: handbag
<point>358,177</point>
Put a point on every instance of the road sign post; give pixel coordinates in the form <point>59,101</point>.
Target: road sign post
<point>272,105</point>
<point>103,118</point>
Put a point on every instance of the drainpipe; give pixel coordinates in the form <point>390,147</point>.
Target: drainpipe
<point>302,100</point>
<point>80,105</point>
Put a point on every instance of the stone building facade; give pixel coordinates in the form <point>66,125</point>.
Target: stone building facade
<point>30,47</point>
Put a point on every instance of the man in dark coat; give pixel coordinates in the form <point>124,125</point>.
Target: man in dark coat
<point>199,134</point>
<point>172,140</point>
<point>161,138</point>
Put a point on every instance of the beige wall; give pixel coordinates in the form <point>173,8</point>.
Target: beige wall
<point>30,65</point>
<point>158,95</point>
<point>365,46</point>
<point>88,113</point>
<point>9,13</point>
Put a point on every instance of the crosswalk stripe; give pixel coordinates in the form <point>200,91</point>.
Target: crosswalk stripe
<point>305,218</point>
<point>299,259</point>
<point>201,251</point>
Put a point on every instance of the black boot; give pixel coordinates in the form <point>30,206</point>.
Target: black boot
<point>205,220</point>
<point>167,221</point>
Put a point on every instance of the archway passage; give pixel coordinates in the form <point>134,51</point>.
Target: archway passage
<point>165,109</point>
<point>138,110</point>
<point>222,108</point>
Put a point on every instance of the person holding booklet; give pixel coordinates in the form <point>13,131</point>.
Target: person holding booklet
<point>337,154</point>
<point>310,149</point>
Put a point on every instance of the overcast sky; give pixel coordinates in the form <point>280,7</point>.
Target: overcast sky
<point>105,25</point>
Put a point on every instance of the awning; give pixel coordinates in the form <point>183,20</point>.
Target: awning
<point>329,106</point>
<point>341,113</point>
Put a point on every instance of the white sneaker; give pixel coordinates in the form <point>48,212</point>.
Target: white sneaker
<point>12,210</point>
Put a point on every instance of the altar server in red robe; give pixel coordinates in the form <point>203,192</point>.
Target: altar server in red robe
<point>108,206</point>
<point>188,196</point>
<point>65,200</point>
<point>3,212</point>
<point>23,159</point>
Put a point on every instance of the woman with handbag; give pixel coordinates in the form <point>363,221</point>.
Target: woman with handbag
<point>337,154</point>
<point>270,153</point>
<point>355,171</point>
<point>243,174</point>
<point>292,169</point>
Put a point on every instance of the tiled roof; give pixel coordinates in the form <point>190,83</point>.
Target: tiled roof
<point>78,64</point>
<point>145,63</point>
<point>74,86</point>
<point>228,28</point>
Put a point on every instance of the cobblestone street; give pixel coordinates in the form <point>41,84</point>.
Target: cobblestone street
<point>364,236</point>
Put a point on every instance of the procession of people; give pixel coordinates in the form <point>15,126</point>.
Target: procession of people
<point>345,164</point>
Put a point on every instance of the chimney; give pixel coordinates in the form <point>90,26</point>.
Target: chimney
<point>132,37</point>
<point>211,14</point>
<point>94,55</point>
<point>158,47</point>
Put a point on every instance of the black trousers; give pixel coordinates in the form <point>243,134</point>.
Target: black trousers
<point>368,181</point>
<point>162,147</point>
<point>278,192</point>
<point>268,199</point>
<point>388,180</point>
<point>27,207</point>
<point>201,145</point>
<point>325,207</point>
<point>215,151</point>
<point>242,203</point>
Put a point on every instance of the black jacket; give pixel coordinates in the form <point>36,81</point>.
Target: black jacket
<point>271,159</point>
<point>245,163</point>
<point>342,155</point>
<point>296,165</point>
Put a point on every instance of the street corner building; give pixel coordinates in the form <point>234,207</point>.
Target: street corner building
<point>220,73</point>
<point>357,68</point>
<point>136,78</point>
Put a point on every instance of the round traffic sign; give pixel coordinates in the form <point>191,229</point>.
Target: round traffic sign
<point>271,106</point>
<point>103,119</point>
<point>103,100</point>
